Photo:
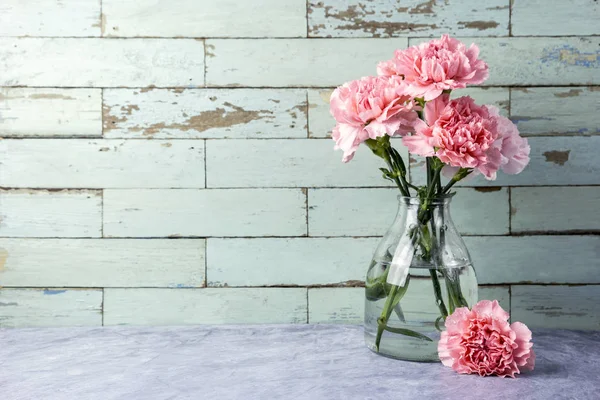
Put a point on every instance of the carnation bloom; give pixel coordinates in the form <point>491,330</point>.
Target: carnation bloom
<point>437,65</point>
<point>482,341</point>
<point>369,108</point>
<point>464,135</point>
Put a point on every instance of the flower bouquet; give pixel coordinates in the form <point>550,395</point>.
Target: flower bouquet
<point>421,272</point>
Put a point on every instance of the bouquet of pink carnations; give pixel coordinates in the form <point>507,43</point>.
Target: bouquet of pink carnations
<point>410,99</point>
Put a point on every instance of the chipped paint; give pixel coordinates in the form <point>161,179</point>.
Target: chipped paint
<point>51,96</point>
<point>166,145</point>
<point>479,25</point>
<point>3,258</point>
<point>570,93</point>
<point>12,303</point>
<point>570,55</point>
<point>50,292</point>
<point>208,50</point>
<point>557,157</point>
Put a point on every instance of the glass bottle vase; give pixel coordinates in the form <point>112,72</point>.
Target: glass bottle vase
<point>420,273</point>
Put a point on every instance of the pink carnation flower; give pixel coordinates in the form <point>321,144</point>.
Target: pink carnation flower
<point>464,135</point>
<point>481,341</point>
<point>369,108</point>
<point>435,66</point>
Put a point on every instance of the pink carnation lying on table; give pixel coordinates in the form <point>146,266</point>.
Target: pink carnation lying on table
<point>435,66</point>
<point>481,341</point>
<point>369,108</point>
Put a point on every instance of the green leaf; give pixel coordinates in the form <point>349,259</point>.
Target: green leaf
<point>407,332</point>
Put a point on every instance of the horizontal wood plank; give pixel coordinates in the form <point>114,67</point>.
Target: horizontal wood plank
<point>102,263</point>
<point>204,306</point>
<point>204,113</point>
<point>20,308</point>
<point>346,305</point>
<point>91,62</point>
<point>252,212</point>
<point>81,163</point>
<point>58,112</point>
<point>535,259</point>
<point>41,213</point>
<point>557,307</point>
<point>343,18</point>
<point>204,18</point>
<point>532,61</point>
<point>50,18</point>
<point>556,111</point>
<point>289,163</point>
<point>370,212</point>
<point>294,63</point>
<point>554,17</point>
<point>278,261</point>
<point>555,161</point>
<point>555,209</point>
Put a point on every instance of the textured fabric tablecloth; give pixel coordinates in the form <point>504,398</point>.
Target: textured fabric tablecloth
<point>267,362</point>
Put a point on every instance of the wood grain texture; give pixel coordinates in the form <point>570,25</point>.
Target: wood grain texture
<point>294,63</point>
<point>248,212</point>
<point>289,163</point>
<point>98,62</point>
<point>50,18</point>
<point>204,113</point>
<point>80,163</point>
<point>321,122</point>
<point>535,259</point>
<point>205,18</point>
<point>204,306</point>
<point>20,308</point>
<point>555,161</point>
<point>31,112</point>
<point>558,18</point>
<point>560,307</point>
<point>370,212</point>
<point>532,61</point>
<point>279,261</point>
<point>556,111</point>
<point>41,213</point>
<point>560,209</point>
<point>101,263</point>
<point>346,305</point>
<point>381,18</point>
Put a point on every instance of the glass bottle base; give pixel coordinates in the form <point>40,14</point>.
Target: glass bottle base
<point>402,347</point>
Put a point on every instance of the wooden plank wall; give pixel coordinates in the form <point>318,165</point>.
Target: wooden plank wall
<point>168,161</point>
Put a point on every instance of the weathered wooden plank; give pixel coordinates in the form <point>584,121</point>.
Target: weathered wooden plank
<point>556,111</point>
<point>562,307</point>
<point>555,209</point>
<point>251,212</point>
<point>79,163</point>
<point>531,61</point>
<point>101,263</point>
<point>50,307</point>
<point>279,261</point>
<point>336,305</point>
<point>41,213</point>
<point>204,113</point>
<point>380,18</point>
<point>204,306</point>
<point>98,62</point>
<point>289,163</point>
<point>205,18</point>
<point>293,63</point>
<point>49,18</point>
<point>346,305</point>
<point>48,112</point>
<point>370,212</point>
<point>558,18</point>
<point>555,161</point>
<point>321,122</point>
<point>535,259</point>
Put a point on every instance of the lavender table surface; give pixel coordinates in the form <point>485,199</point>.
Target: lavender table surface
<point>267,362</point>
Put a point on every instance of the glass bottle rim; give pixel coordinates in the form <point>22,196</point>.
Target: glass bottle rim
<point>437,200</point>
